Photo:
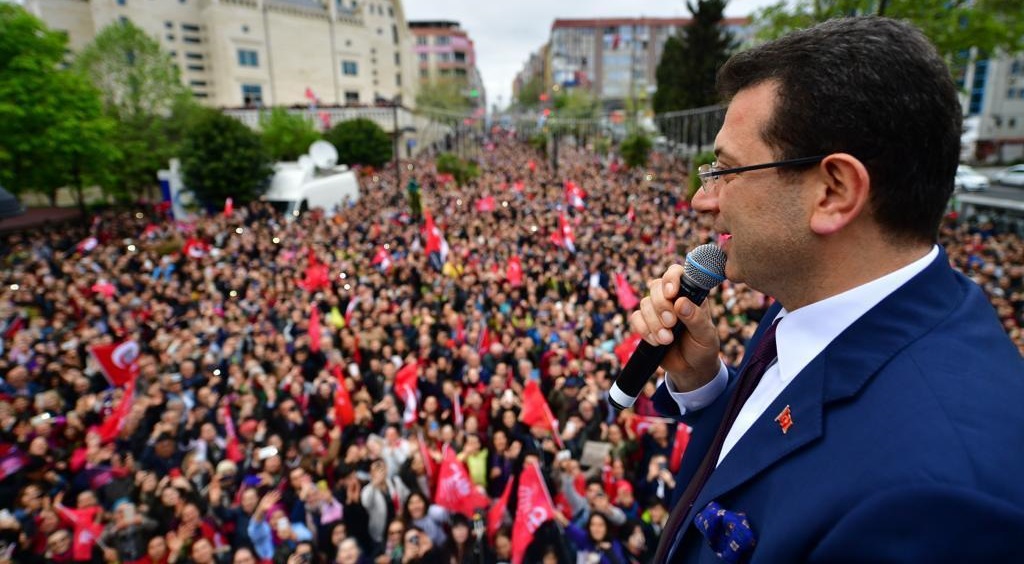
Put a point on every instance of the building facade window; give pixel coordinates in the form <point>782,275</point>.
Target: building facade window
<point>190,27</point>
<point>424,57</point>
<point>252,94</point>
<point>198,68</point>
<point>398,58</point>
<point>351,96</point>
<point>421,40</point>
<point>248,58</point>
<point>398,79</point>
<point>349,68</point>
<point>442,40</point>
<point>194,56</point>
<point>189,39</point>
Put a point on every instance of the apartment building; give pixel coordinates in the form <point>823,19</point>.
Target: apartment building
<point>614,58</point>
<point>250,53</point>
<point>443,51</point>
<point>993,100</point>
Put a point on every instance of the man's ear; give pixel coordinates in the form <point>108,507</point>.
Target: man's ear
<point>842,193</point>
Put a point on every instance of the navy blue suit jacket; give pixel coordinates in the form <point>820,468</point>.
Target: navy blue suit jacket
<point>906,444</point>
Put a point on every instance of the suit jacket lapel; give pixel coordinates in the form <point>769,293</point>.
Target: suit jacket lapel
<point>840,371</point>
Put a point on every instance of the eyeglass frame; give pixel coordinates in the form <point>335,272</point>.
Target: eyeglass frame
<point>708,172</point>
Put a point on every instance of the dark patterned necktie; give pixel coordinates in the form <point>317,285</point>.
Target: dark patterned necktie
<point>760,359</point>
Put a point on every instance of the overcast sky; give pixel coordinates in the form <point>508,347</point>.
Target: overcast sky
<point>505,33</point>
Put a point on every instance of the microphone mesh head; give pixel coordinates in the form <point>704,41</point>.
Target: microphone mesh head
<point>705,266</point>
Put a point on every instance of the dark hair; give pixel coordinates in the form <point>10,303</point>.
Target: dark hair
<point>871,87</point>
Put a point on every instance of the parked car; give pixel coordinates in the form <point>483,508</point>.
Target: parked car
<point>1012,176</point>
<point>969,180</point>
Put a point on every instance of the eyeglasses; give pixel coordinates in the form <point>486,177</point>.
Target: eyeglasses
<point>711,176</point>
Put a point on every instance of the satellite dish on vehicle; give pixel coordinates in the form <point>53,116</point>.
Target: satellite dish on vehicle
<point>324,154</point>
<point>307,163</point>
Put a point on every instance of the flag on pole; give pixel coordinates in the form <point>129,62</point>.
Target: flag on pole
<point>87,244</point>
<point>574,195</point>
<point>233,450</point>
<point>514,271</point>
<point>405,388</point>
<point>436,242</point>
<point>229,206</point>
<point>625,293</point>
<point>111,427</point>
<point>382,259</point>
<point>625,349</point>
<point>344,413</point>
<point>455,491</point>
<point>496,513</point>
<point>679,446</point>
<point>536,411</point>
<point>533,509</point>
<point>564,237</point>
<point>119,362</point>
<point>314,328</point>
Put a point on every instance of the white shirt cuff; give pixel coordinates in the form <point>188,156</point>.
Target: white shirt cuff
<point>702,396</point>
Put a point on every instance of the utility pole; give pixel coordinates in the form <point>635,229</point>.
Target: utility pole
<point>396,132</point>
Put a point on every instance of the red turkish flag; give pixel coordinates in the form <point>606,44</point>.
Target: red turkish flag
<point>533,510</point>
<point>316,276</point>
<point>112,425</point>
<point>229,207</point>
<point>641,423</point>
<point>435,238</point>
<point>344,413</point>
<point>486,204</point>
<point>564,237</point>
<point>455,491</point>
<point>625,293</point>
<point>314,328</point>
<point>679,447</point>
<point>405,389</point>
<point>119,362</point>
<point>514,271</point>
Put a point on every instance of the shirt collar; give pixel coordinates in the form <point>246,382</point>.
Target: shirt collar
<point>806,332</point>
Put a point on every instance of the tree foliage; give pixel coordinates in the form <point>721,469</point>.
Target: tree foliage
<point>635,149</point>
<point>221,157</point>
<point>446,94</point>
<point>137,77</point>
<point>286,136</point>
<point>361,141</point>
<point>686,71</point>
<point>462,170</point>
<point>954,26</point>
<point>52,130</point>
<point>529,95</point>
<point>142,90</point>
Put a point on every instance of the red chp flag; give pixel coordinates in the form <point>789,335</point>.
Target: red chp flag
<point>496,513</point>
<point>536,411</point>
<point>533,510</point>
<point>625,293</point>
<point>679,447</point>
<point>314,328</point>
<point>382,259</point>
<point>229,206</point>
<point>195,248</point>
<point>119,362</point>
<point>514,271</point>
<point>344,413</point>
<point>455,491</point>
<point>405,389</point>
<point>112,425</point>
<point>486,204</point>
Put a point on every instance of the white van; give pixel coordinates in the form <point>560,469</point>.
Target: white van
<point>298,187</point>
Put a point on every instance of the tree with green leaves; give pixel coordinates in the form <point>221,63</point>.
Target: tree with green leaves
<point>529,95</point>
<point>361,141</point>
<point>635,149</point>
<point>52,129</point>
<point>286,136</point>
<point>221,157</point>
<point>954,26</point>
<point>142,90</point>
<point>689,62</point>
<point>447,94</point>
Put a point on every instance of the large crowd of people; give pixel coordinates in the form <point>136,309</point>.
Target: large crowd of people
<point>230,451</point>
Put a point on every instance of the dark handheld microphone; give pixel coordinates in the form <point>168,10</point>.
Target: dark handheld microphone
<point>703,270</point>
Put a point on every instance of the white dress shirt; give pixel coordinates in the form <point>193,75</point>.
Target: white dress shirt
<point>800,337</point>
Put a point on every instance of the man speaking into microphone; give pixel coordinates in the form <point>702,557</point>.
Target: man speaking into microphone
<point>877,413</point>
